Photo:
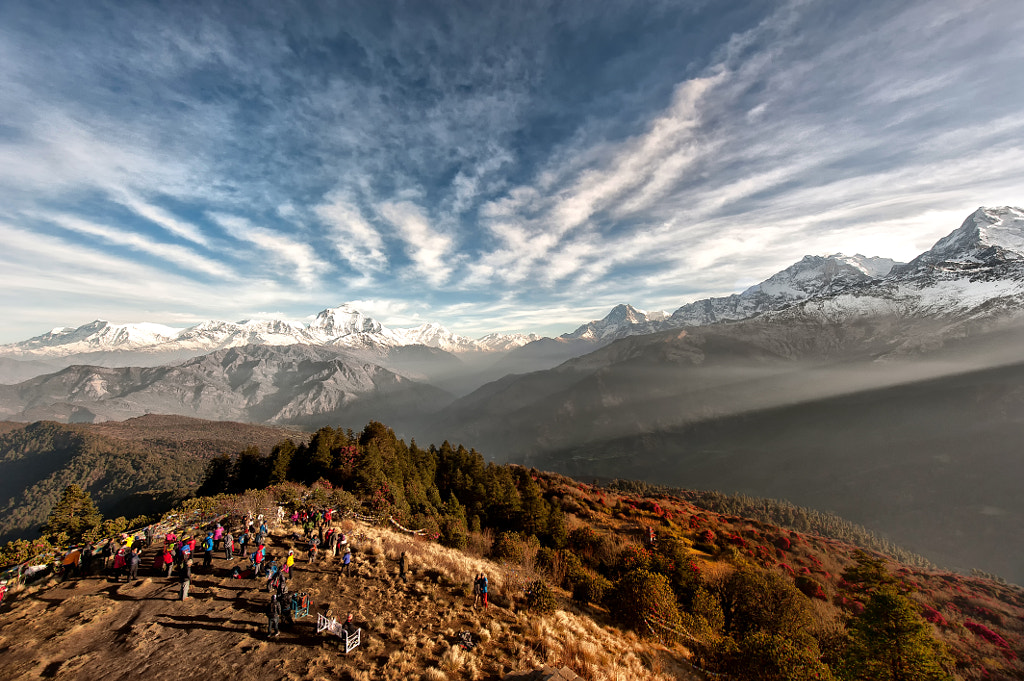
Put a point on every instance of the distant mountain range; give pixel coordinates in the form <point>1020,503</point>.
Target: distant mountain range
<point>341,327</point>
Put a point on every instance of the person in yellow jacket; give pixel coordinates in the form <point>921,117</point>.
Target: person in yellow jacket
<point>288,563</point>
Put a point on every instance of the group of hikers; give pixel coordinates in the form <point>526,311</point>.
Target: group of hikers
<point>245,538</point>
<point>121,556</point>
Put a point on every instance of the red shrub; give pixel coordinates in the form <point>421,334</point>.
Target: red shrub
<point>934,616</point>
<point>987,634</point>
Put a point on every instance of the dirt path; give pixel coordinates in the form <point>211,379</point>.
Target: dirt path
<point>94,628</point>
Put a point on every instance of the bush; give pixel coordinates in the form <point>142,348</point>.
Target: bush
<point>644,600</point>
<point>590,589</point>
<point>540,598</point>
<point>508,546</point>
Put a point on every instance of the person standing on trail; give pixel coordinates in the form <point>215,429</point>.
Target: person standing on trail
<point>401,567</point>
<point>133,565</point>
<point>274,617</point>
<point>119,564</point>
<point>168,561</point>
<point>229,545</point>
<point>346,561</point>
<point>476,589</point>
<point>87,555</point>
<point>483,588</point>
<point>243,541</point>
<point>208,552</point>
<point>257,561</point>
<point>289,562</point>
<point>186,582</point>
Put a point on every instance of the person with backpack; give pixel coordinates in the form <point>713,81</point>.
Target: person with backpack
<point>346,561</point>
<point>483,588</point>
<point>208,552</point>
<point>168,561</point>
<point>133,564</point>
<point>257,561</point>
<point>273,617</point>
<point>119,564</point>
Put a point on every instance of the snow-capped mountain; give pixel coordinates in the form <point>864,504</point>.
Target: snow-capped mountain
<point>812,276</point>
<point>623,320</point>
<point>973,274</point>
<point>988,237</point>
<point>341,327</point>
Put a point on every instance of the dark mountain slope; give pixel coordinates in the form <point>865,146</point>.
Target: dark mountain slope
<point>935,465</point>
<point>129,468</point>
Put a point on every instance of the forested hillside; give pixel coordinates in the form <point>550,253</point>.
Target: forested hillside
<point>135,467</point>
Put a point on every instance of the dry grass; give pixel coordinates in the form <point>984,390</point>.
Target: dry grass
<point>598,653</point>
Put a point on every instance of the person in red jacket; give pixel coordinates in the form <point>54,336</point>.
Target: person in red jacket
<point>257,561</point>
<point>119,564</point>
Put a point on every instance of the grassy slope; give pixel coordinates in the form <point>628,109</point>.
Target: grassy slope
<point>95,628</point>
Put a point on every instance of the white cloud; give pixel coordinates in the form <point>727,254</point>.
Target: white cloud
<point>430,250</point>
<point>279,250</point>
<point>172,253</point>
<point>161,217</point>
<point>357,241</point>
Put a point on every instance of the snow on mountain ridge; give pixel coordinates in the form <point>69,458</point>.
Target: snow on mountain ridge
<point>342,326</point>
<point>987,234</point>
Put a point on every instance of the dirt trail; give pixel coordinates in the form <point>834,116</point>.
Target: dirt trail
<point>94,628</point>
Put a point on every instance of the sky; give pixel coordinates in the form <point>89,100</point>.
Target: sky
<point>491,166</point>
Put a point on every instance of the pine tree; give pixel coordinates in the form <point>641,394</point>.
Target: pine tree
<point>890,642</point>
<point>74,516</point>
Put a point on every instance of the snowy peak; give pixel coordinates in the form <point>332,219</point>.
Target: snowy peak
<point>988,236</point>
<point>815,274</point>
<point>101,335</point>
<point>623,320</point>
<point>342,326</point>
<point>342,321</point>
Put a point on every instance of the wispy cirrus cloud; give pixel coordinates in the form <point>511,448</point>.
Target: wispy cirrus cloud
<point>171,253</point>
<point>429,249</point>
<point>291,257</point>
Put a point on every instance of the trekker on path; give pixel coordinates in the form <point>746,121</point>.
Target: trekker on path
<point>273,617</point>
<point>208,552</point>
<point>119,564</point>
<point>185,584</point>
<point>133,564</point>
<point>483,587</point>
<point>346,561</point>
<point>168,561</point>
<point>401,567</point>
<point>229,545</point>
<point>476,589</point>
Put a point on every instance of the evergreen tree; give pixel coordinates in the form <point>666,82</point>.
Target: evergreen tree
<point>280,460</point>
<point>218,477</point>
<point>890,642</point>
<point>74,517</point>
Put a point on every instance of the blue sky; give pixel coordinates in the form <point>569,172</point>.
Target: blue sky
<point>515,166</point>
